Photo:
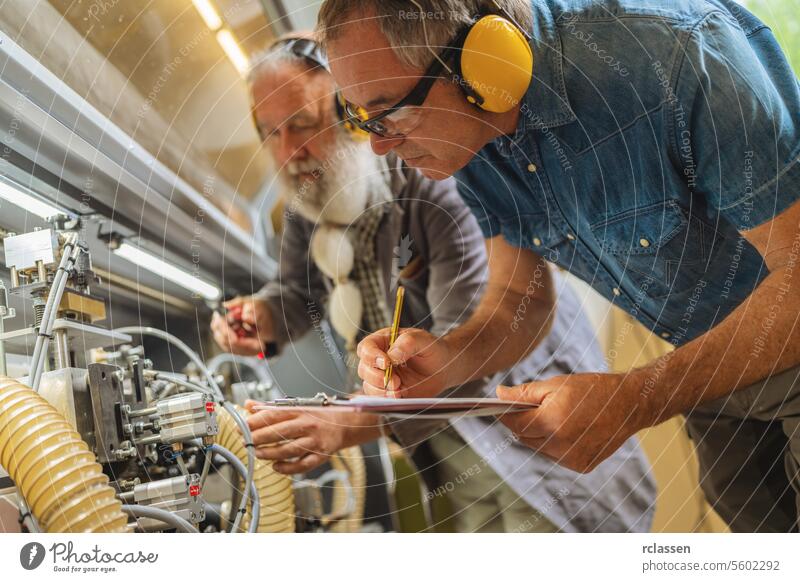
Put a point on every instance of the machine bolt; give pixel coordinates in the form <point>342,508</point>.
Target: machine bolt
<point>125,453</point>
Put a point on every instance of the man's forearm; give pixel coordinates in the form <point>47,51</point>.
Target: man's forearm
<point>360,428</point>
<point>505,327</point>
<point>757,339</point>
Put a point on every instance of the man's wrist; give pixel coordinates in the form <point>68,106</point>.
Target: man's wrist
<point>266,328</point>
<point>454,372</point>
<point>644,391</point>
<point>359,428</point>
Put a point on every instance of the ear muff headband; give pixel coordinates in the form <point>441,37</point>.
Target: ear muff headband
<point>497,63</point>
<point>311,50</point>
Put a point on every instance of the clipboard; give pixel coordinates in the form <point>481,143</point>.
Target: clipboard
<point>402,408</point>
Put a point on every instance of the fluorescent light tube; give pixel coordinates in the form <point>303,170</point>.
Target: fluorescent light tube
<point>209,13</point>
<point>170,272</point>
<point>27,202</point>
<point>228,43</point>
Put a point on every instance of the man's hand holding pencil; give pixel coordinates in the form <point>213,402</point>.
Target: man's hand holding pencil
<point>403,363</point>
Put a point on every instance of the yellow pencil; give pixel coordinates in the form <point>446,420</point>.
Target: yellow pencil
<point>398,309</point>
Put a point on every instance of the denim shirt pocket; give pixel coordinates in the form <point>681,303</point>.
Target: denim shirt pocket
<point>657,247</point>
<point>536,232</point>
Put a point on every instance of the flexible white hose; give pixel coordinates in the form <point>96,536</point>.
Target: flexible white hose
<point>47,323</point>
<point>56,293</point>
<point>171,339</point>
<point>240,468</point>
<point>162,515</point>
<point>206,467</point>
<point>167,377</point>
<point>259,367</point>
<point>37,348</point>
<point>40,345</point>
<point>251,461</point>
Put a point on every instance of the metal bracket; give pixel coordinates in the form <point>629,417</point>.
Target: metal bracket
<point>321,399</point>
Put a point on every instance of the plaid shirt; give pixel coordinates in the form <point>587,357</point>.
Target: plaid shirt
<point>366,271</point>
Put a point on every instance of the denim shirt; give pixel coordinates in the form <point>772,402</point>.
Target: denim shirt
<point>652,134</point>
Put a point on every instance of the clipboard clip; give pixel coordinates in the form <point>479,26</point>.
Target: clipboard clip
<point>321,399</point>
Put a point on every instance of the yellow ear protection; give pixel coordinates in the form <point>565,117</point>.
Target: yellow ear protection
<point>310,50</point>
<point>493,61</point>
<point>496,63</point>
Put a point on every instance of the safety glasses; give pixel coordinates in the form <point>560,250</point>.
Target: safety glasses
<point>405,116</point>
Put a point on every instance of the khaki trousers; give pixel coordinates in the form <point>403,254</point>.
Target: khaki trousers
<point>748,445</point>
<point>481,501</point>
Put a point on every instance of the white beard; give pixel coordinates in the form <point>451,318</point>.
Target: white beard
<point>351,179</point>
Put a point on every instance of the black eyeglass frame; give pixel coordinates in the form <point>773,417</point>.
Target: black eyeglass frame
<point>419,93</point>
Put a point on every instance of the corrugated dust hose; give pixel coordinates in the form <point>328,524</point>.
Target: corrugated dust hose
<point>351,461</point>
<point>274,489</point>
<point>52,466</point>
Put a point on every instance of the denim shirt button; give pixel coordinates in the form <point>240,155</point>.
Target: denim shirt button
<point>531,168</point>
<point>644,242</point>
<point>537,241</point>
<point>666,334</point>
<point>570,236</point>
<point>616,291</point>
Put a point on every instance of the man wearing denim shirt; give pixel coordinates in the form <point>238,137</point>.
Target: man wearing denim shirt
<point>341,199</point>
<point>655,156</point>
